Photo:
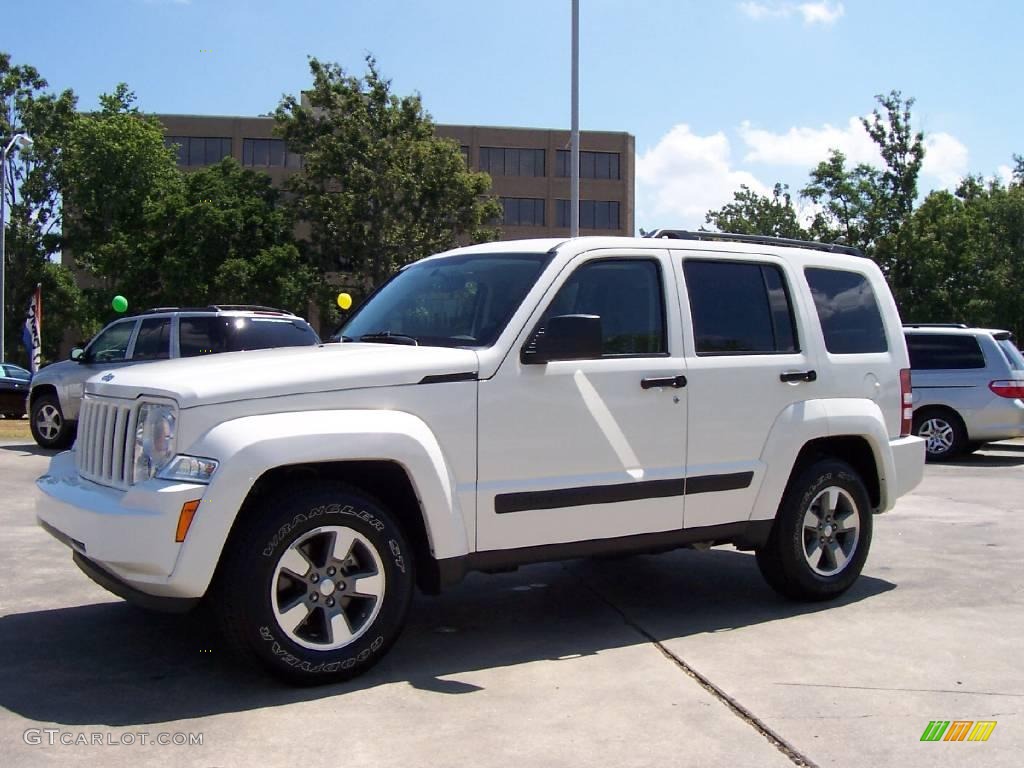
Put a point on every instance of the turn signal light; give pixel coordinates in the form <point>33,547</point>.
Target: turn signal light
<point>188,511</point>
<point>906,403</point>
<point>1011,388</point>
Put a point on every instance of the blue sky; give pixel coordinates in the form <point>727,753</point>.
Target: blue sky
<point>717,93</point>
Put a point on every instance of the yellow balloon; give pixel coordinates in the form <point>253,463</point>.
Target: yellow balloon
<point>344,300</point>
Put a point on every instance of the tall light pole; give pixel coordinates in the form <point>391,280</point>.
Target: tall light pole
<point>574,183</point>
<point>24,142</point>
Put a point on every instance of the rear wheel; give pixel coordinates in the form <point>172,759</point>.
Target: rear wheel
<point>821,535</point>
<point>317,587</point>
<point>49,427</point>
<point>943,432</point>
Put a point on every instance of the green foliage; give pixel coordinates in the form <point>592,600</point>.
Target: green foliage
<point>33,207</point>
<point>752,214</point>
<point>377,188</point>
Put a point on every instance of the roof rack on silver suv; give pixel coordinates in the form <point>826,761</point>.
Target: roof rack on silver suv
<point>935,325</point>
<point>218,308</point>
<point>684,234</point>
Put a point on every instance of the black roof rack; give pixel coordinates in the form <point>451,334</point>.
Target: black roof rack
<point>936,325</point>
<point>683,234</point>
<point>218,308</point>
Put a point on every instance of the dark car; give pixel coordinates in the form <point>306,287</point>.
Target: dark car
<point>14,383</point>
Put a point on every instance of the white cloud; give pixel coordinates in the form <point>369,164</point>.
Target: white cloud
<point>945,160</point>
<point>822,12</point>
<point>684,176</point>
<point>1005,174</point>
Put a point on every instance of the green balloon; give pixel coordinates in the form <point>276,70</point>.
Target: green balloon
<point>120,303</point>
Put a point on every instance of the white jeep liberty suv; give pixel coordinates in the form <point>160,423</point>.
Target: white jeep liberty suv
<point>492,406</point>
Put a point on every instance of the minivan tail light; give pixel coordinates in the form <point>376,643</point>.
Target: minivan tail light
<point>906,403</point>
<point>1008,388</point>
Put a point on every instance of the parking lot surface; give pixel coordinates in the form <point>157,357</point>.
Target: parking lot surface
<point>686,658</point>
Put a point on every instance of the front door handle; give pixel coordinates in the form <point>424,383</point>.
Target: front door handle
<point>676,382</point>
<point>798,376</point>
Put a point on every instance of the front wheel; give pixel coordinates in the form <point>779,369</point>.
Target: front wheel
<point>821,535</point>
<point>317,587</point>
<point>49,427</point>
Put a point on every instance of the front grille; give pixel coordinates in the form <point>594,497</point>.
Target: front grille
<point>106,442</point>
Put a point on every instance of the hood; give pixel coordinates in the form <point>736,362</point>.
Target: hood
<point>254,374</point>
<point>60,371</point>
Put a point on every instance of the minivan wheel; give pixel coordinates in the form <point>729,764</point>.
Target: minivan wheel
<point>943,433</point>
<point>822,533</point>
<point>49,427</point>
<point>317,585</point>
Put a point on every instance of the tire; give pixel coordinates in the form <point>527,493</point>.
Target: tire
<point>794,562</point>
<point>49,427</point>
<point>295,624</point>
<point>943,432</point>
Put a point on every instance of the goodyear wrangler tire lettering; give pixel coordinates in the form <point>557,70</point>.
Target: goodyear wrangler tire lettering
<point>317,586</point>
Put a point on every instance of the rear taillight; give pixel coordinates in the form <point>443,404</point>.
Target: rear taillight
<point>1009,388</point>
<point>906,403</point>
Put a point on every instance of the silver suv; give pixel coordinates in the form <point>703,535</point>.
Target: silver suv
<point>968,384</point>
<point>158,334</point>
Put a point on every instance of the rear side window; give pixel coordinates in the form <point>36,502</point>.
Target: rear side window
<point>154,340</point>
<point>932,351</point>
<point>739,308</point>
<point>210,335</point>
<point>848,311</point>
<point>627,295</point>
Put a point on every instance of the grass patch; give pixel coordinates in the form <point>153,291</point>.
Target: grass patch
<point>15,429</point>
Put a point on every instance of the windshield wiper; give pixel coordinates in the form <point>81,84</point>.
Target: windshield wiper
<point>387,337</point>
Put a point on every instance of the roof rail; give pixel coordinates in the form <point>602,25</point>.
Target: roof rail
<point>683,234</point>
<point>936,325</point>
<point>218,308</point>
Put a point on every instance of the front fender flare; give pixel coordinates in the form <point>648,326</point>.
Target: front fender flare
<point>250,446</point>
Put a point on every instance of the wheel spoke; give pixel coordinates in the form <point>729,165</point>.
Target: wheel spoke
<point>837,556</point>
<point>811,520</point>
<point>847,521</point>
<point>342,544</point>
<point>813,552</point>
<point>338,629</point>
<point>295,562</point>
<point>291,618</point>
<point>368,585</point>
<point>832,499</point>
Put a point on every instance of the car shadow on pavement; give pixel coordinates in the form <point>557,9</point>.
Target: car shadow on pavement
<point>28,449</point>
<point>113,664</point>
<point>984,459</point>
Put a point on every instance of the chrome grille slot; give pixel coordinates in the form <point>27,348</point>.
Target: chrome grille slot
<point>105,443</point>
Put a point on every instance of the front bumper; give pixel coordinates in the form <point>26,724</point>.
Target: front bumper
<point>127,537</point>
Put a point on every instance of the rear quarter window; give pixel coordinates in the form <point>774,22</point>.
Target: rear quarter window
<point>848,311</point>
<point>933,352</point>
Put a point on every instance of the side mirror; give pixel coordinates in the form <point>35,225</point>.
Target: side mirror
<point>77,354</point>
<point>565,337</point>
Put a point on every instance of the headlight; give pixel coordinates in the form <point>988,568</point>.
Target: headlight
<point>189,469</point>
<point>154,440</point>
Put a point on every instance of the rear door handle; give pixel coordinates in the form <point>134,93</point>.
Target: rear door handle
<point>677,382</point>
<point>798,376</point>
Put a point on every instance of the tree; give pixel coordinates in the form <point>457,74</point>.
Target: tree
<point>116,175</point>
<point>377,187</point>
<point>846,203</point>
<point>32,246</point>
<point>754,214</point>
<point>226,238</point>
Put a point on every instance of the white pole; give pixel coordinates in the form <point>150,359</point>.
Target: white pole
<point>574,215</point>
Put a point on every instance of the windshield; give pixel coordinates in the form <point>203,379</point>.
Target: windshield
<point>458,301</point>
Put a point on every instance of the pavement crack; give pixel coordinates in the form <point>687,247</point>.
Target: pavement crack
<point>773,738</point>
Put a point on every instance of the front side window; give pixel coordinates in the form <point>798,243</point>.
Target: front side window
<point>739,308</point>
<point>849,314</point>
<point>627,295</point>
<point>112,344</point>
<point>933,351</point>
<point>154,339</point>
<point>457,301</point>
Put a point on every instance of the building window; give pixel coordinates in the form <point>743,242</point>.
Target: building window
<point>594,214</point>
<point>593,165</point>
<point>269,152</point>
<point>523,211</point>
<point>199,150</point>
<point>465,153</point>
<point>501,161</point>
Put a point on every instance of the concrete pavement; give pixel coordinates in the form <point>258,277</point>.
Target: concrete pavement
<point>683,659</point>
